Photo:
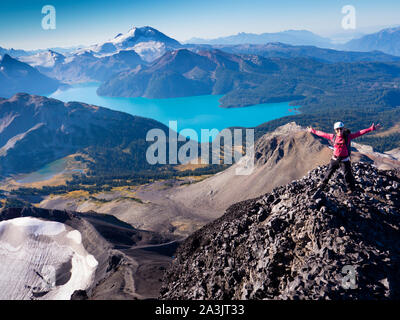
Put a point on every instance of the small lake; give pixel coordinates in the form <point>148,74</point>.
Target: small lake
<point>47,172</point>
<point>198,112</point>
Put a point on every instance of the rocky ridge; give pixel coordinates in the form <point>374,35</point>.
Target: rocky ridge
<point>287,245</point>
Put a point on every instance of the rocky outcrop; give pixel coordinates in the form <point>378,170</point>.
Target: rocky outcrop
<point>289,244</point>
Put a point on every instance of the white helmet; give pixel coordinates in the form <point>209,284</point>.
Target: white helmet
<point>338,125</point>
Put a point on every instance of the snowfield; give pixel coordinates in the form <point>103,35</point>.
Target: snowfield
<point>42,260</point>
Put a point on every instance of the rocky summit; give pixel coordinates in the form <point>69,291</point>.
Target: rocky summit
<point>290,244</point>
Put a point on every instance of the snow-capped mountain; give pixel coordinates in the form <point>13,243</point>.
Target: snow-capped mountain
<point>88,67</point>
<point>16,52</point>
<point>148,42</point>
<point>45,59</point>
<point>82,65</point>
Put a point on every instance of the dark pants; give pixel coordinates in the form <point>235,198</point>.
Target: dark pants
<point>346,167</point>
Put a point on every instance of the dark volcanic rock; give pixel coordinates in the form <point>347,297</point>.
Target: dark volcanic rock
<point>287,245</point>
<point>79,295</point>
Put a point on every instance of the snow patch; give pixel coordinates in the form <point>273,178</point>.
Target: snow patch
<point>38,227</point>
<point>36,253</point>
<point>91,261</point>
<point>46,59</point>
<point>150,50</point>
<point>75,235</point>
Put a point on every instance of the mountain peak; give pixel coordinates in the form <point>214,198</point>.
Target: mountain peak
<point>22,95</point>
<point>148,42</point>
<point>21,77</point>
<point>391,30</point>
<point>288,244</point>
<point>7,59</point>
<point>146,31</point>
<point>147,28</point>
<point>131,32</point>
<point>86,53</point>
<point>182,53</point>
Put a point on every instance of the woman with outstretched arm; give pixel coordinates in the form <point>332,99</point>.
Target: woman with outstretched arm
<point>341,151</point>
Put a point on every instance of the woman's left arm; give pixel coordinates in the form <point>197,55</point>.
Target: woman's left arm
<point>364,131</point>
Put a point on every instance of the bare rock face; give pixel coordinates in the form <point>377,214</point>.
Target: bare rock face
<point>289,244</point>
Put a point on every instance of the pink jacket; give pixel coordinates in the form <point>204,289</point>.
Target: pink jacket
<point>340,149</point>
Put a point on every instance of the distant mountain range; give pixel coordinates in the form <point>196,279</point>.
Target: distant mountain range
<point>386,40</point>
<point>100,61</point>
<point>145,62</point>
<point>294,37</point>
<point>150,43</point>
<point>176,74</point>
<point>83,66</point>
<point>13,52</point>
<point>138,45</point>
<point>43,59</point>
<point>22,53</point>
<point>246,79</point>
<point>283,50</point>
<point>144,45</point>
<point>35,131</point>
<point>16,76</point>
<point>90,66</point>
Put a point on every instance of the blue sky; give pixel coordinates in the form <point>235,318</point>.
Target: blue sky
<point>88,22</point>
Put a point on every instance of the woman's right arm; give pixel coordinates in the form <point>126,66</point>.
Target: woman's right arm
<point>322,134</point>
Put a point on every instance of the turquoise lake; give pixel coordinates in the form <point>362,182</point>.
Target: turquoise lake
<point>199,112</point>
